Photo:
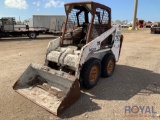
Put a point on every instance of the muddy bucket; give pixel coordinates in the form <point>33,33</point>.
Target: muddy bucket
<point>51,89</point>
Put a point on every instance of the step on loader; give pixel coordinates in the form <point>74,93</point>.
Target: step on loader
<point>87,50</point>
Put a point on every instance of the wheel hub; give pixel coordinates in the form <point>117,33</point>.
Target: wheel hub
<point>110,66</point>
<point>94,73</point>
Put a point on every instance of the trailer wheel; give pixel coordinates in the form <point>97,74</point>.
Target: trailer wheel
<point>108,63</point>
<point>153,31</point>
<point>32,35</point>
<point>90,73</point>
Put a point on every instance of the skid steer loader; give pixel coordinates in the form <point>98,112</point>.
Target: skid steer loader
<point>87,50</point>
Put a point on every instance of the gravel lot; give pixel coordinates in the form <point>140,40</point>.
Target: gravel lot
<point>136,81</point>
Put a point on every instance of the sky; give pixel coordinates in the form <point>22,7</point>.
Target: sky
<point>148,10</point>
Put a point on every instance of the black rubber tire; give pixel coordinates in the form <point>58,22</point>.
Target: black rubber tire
<point>153,31</point>
<point>85,73</point>
<point>105,62</point>
<point>32,35</point>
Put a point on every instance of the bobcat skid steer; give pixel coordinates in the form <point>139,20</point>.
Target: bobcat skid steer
<point>87,50</point>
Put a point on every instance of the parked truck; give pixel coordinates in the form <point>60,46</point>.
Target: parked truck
<point>155,28</point>
<point>8,27</point>
<point>149,24</point>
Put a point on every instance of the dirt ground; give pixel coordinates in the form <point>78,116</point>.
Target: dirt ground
<point>136,81</point>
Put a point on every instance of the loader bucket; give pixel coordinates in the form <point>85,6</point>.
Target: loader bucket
<point>51,89</point>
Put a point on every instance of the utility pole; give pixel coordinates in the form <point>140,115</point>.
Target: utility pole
<point>135,14</point>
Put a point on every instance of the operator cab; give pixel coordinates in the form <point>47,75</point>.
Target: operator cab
<point>85,21</point>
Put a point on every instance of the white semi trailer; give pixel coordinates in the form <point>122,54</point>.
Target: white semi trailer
<point>53,23</point>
